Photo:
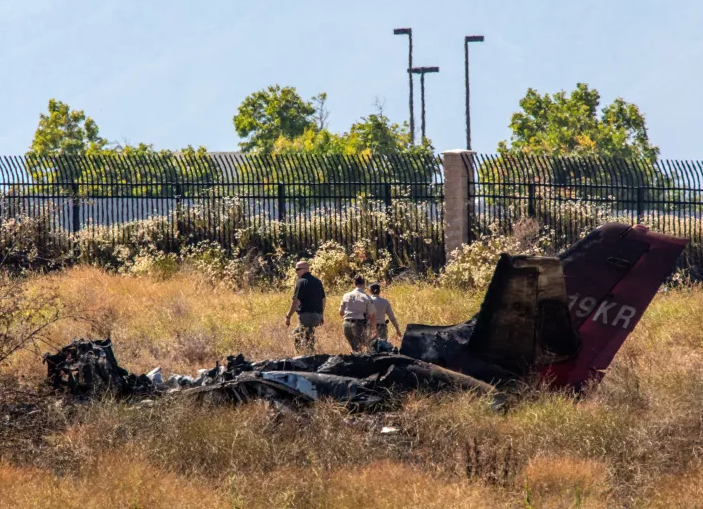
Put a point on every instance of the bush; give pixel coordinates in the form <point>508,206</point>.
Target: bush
<point>32,242</point>
<point>337,266</point>
<point>471,266</point>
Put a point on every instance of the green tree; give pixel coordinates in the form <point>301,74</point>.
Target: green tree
<point>66,132</point>
<point>591,144</point>
<point>373,135</point>
<point>64,135</point>
<point>373,148</point>
<point>266,115</point>
<point>572,125</point>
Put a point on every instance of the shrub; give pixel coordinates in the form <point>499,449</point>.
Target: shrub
<point>331,264</point>
<point>337,266</point>
<point>471,266</point>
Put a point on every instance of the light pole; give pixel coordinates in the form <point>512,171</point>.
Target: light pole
<point>467,40</point>
<point>422,71</point>
<point>409,33</point>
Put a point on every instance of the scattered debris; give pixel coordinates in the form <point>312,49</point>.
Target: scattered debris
<point>85,368</point>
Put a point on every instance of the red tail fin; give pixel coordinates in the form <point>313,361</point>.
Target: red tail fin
<point>611,276</point>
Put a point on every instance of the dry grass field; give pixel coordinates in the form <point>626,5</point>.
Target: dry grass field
<point>634,441</point>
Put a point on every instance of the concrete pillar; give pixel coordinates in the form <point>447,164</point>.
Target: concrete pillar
<point>459,195</point>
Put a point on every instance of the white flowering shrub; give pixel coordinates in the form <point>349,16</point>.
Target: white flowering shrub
<point>472,265</point>
<point>32,241</point>
<point>158,264</point>
<point>331,264</point>
<point>336,266</point>
<point>117,247</point>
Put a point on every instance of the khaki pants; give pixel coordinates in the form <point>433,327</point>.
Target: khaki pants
<point>304,333</point>
<point>357,334</point>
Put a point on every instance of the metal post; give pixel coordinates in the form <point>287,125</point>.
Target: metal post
<point>75,209</point>
<point>178,194</point>
<point>409,32</point>
<point>467,40</point>
<point>281,203</point>
<point>531,208</point>
<point>410,82</point>
<point>422,71</point>
<point>389,216</point>
<point>640,204</point>
<point>422,94</point>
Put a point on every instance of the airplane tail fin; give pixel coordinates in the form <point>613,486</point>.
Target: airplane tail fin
<point>611,276</point>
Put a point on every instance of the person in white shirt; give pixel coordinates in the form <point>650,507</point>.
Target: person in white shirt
<point>383,309</point>
<point>359,315</point>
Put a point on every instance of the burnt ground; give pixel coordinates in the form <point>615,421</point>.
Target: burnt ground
<point>31,415</point>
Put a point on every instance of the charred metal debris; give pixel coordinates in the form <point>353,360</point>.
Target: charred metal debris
<point>86,368</point>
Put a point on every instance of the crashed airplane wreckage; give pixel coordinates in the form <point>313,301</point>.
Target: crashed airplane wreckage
<point>563,319</point>
<point>87,367</point>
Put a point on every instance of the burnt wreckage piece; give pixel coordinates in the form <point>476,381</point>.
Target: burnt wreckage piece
<point>87,367</point>
<point>563,318</point>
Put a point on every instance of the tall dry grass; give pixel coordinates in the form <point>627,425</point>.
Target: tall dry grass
<point>185,323</point>
<point>636,440</point>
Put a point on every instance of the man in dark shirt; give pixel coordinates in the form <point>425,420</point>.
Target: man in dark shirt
<point>309,302</point>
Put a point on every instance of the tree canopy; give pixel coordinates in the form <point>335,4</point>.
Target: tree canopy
<point>272,113</point>
<point>65,134</point>
<point>573,125</point>
<point>373,135</point>
<point>63,131</point>
<point>277,120</point>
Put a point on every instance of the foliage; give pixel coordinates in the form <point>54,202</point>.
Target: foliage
<point>64,135</point>
<point>278,122</point>
<point>370,149</point>
<point>266,115</point>
<point>66,132</point>
<point>24,316</point>
<point>336,266</point>
<point>31,242</point>
<point>472,265</point>
<point>26,243</point>
<point>373,135</point>
<point>558,124</point>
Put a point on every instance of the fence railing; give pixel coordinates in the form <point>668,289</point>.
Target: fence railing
<point>298,202</point>
<point>295,203</point>
<point>571,195</point>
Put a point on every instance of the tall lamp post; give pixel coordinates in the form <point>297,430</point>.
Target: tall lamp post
<point>422,71</point>
<point>409,33</point>
<point>467,40</point>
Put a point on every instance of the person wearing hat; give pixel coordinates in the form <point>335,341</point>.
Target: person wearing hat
<point>383,309</point>
<point>309,302</point>
<point>359,315</point>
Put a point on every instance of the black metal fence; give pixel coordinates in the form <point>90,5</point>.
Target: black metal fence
<point>571,195</point>
<point>296,203</point>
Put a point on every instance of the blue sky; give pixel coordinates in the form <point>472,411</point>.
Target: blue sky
<point>173,73</point>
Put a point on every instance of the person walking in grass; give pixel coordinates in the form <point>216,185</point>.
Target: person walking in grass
<point>359,316</point>
<point>309,302</point>
<point>383,309</point>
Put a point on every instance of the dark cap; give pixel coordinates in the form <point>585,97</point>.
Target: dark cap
<point>375,288</point>
<point>359,280</point>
